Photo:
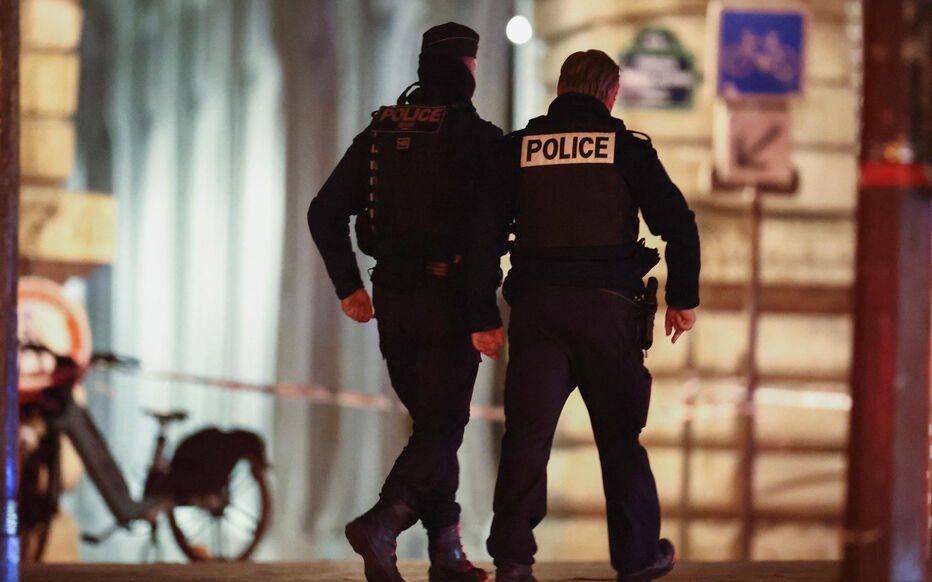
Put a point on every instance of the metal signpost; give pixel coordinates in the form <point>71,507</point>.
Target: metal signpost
<point>759,68</point>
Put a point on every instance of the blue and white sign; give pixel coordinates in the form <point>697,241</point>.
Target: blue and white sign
<point>761,53</point>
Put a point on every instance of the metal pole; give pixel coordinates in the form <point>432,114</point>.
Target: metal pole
<point>9,220</point>
<point>749,448</point>
<point>888,506</point>
<point>686,517</point>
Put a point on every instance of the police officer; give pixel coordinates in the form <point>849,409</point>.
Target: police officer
<point>410,179</point>
<point>573,182</point>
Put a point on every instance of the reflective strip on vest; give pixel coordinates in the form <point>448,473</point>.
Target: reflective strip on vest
<point>568,148</point>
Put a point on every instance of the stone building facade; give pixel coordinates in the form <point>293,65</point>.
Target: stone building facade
<point>61,233</point>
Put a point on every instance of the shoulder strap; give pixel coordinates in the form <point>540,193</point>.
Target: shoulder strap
<point>640,135</point>
<point>403,98</point>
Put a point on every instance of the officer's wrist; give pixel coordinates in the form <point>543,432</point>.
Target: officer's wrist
<point>486,326</point>
<point>344,292</point>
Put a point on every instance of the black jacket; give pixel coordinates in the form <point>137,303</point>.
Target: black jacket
<point>653,192</point>
<point>344,195</point>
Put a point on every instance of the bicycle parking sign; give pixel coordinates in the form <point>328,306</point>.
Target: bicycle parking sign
<point>761,53</point>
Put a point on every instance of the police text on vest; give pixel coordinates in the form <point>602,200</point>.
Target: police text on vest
<point>409,113</point>
<point>409,119</point>
<point>567,148</point>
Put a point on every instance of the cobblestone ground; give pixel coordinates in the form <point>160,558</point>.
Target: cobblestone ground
<point>414,572</point>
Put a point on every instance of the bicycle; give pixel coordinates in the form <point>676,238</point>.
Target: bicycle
<point>213,476</point>
<point>764,55</point>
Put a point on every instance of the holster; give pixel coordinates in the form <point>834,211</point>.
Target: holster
<point>647,309</point>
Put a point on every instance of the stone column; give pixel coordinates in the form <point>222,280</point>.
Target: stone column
<point>887,517</point>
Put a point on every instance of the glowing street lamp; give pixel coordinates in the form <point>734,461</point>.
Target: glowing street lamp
<point>519,30</point>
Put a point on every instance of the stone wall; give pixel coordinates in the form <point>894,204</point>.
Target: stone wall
<point>694,433</point>
<point>61,233</point>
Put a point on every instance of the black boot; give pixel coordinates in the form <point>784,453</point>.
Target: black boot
<point>373,534</point>
<point>514,573</point>
<point>666,558</point>
<point>448,561</point>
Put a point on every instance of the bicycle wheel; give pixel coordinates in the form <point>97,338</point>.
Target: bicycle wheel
<point>228,524</point>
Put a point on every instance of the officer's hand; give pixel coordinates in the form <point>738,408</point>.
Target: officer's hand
<point>680,321</point>
<point>358,306</point>
<point>489,342</point>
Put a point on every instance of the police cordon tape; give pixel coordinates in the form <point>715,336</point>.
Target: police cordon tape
<point>694,400</point>
<point>309,392</point>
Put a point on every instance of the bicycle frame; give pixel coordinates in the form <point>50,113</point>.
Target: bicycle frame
<point>90,445</point>
<point>197,478</point>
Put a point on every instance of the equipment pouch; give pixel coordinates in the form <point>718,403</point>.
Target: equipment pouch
<point>647,304</point>
<point>450,274</point>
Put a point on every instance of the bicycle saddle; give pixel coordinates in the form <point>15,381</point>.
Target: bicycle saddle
<point>167,416</point>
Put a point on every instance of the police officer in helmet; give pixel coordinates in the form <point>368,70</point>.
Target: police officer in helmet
<point>572,184</point>
<point>410,180</point>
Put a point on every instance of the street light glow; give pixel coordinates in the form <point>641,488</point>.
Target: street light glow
<point>519,30</point>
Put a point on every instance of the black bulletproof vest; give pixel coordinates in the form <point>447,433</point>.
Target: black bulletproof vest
<point>572,195</point>
<point>413,198</point>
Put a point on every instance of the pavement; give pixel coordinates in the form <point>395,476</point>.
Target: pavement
<point>414,572</point>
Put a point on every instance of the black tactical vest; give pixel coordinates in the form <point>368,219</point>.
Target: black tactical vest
<point>572,195</point>
<point>413,199</point>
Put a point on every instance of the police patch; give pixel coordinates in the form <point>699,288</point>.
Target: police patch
<point>567,148</point>
<point>408,119</point>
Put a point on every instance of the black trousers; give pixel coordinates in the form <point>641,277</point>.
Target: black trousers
<point>560,338</point>
<point>432,364</point>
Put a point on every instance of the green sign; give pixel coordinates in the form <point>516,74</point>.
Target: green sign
<point>657,72</point>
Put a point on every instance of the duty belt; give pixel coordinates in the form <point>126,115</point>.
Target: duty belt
<point>415,274</point>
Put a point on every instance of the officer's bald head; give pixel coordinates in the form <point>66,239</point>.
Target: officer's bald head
<point>590,72</point>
